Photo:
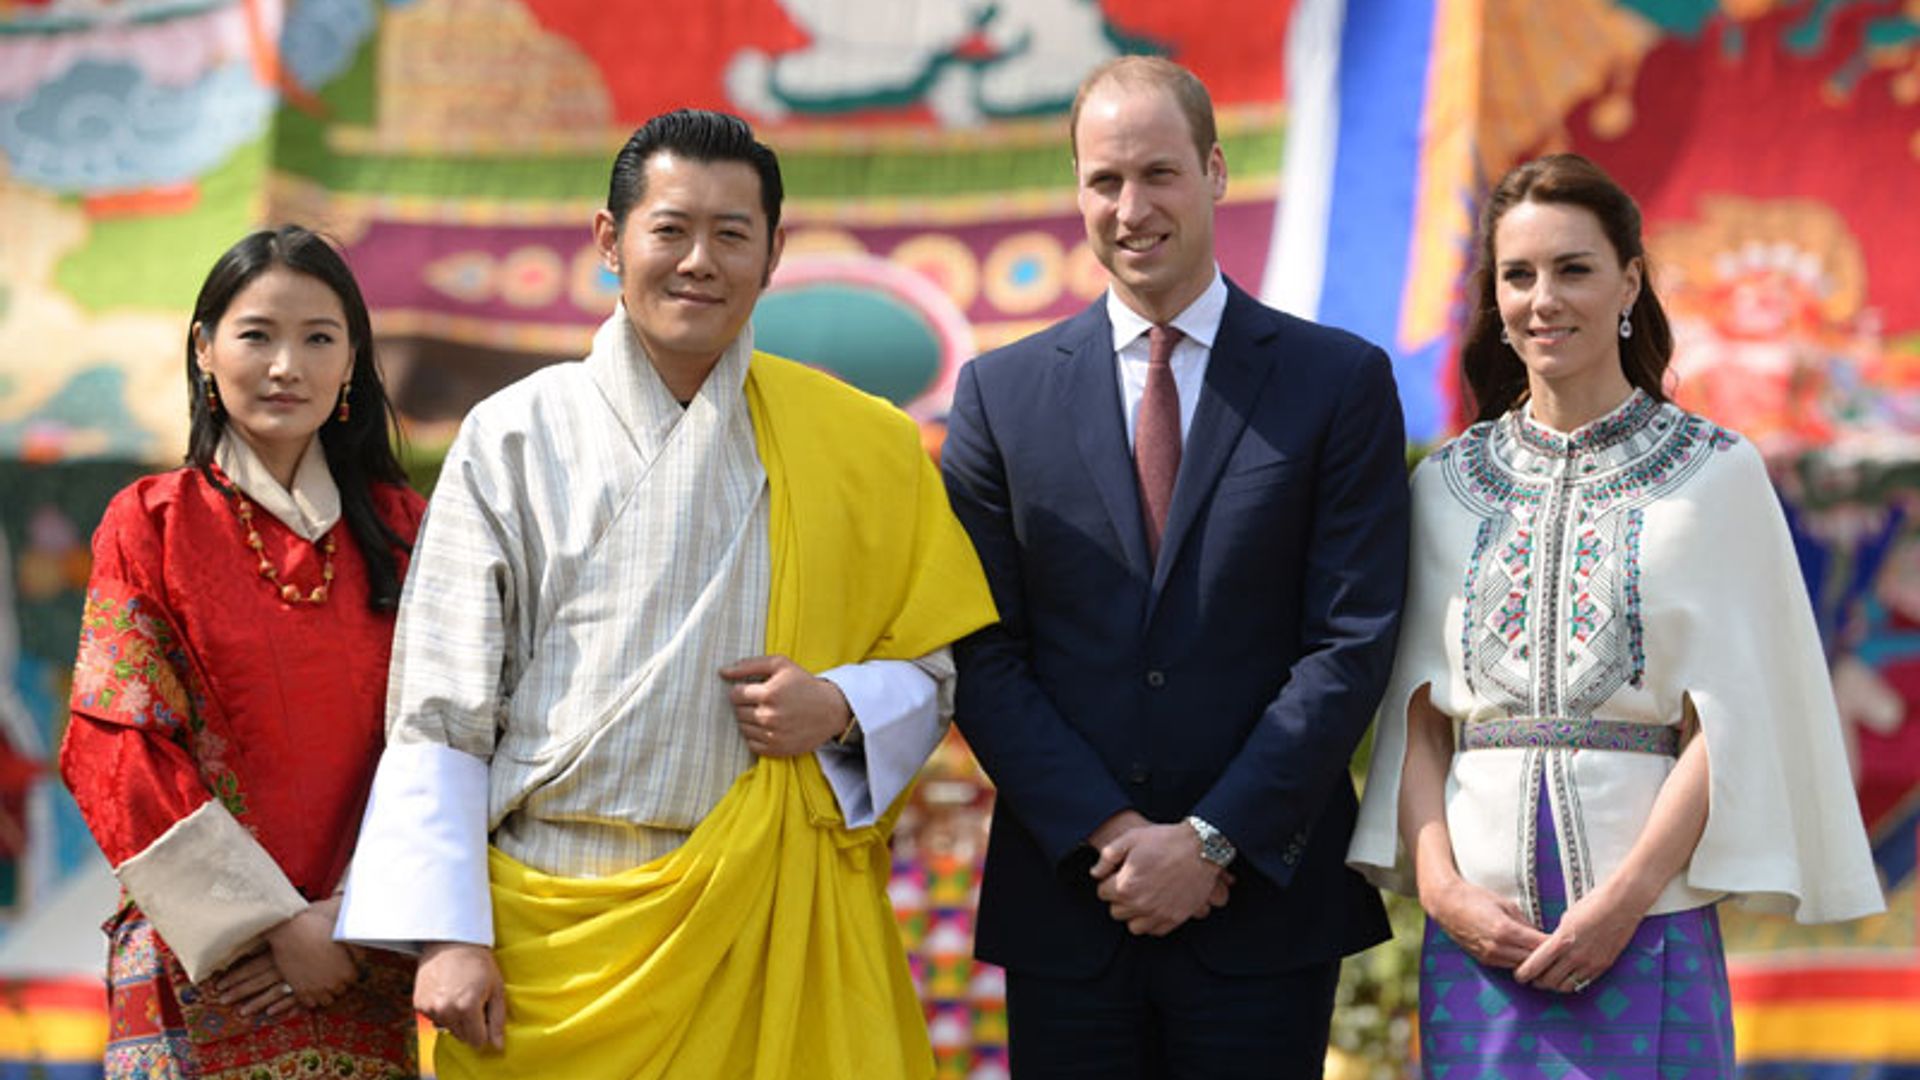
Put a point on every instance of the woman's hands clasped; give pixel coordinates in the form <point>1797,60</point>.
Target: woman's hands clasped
<point>1584,946</point>
<point>1589,938</point>
<point>1489,928</point>
<point>298,965</point>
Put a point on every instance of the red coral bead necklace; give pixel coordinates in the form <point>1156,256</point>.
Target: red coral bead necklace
<point>288,592</point>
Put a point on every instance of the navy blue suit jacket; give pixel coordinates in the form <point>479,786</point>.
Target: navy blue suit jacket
<point>1231,679</point>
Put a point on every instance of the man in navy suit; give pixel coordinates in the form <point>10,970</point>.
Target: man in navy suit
<point>1193,512</point>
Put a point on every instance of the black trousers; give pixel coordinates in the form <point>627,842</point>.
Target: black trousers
<point>1157,1014</point>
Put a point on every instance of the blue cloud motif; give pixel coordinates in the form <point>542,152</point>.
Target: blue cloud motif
<point>102,126</point>
<point>321,38</point>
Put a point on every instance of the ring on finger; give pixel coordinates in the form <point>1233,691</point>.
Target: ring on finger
<point>286,989</point>
<point>1580,983</point>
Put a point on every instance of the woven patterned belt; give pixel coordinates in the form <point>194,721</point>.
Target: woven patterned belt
<point>1569,733</point>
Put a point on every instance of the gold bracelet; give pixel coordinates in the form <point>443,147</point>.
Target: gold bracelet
<point>853,724</point>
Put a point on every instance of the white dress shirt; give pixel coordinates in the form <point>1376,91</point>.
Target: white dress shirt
<point>1199,324</point>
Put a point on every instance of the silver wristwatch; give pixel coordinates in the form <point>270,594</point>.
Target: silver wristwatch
<point>1214,845</point>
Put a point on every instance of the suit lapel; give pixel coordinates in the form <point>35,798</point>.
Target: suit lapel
<point>1090,395</point>
<point>1237,369</point>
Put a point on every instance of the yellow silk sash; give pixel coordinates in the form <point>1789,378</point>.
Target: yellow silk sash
<point>765,946</point>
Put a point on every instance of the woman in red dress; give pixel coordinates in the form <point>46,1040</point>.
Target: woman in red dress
<point>228,695</point>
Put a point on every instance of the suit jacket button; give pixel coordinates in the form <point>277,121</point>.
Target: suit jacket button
<point>1138,775</point>
<point>1156,678</point>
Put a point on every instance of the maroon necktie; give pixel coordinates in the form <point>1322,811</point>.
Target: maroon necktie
<point>1156,435</point>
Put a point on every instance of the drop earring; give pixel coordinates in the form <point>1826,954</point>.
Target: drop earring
<point>1505,338</point>
<point>1626,324</point>
<point>213,395</point>
<point>344,412</point>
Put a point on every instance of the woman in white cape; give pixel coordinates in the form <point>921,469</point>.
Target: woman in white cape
<point>1609,707</point>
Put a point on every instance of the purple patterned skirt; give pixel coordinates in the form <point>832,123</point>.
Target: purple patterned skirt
<point>1662,1012</point>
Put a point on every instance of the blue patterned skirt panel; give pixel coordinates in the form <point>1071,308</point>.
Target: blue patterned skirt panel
<point>1662,1012</point>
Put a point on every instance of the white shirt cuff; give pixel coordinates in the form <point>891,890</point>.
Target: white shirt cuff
<point>419,873</point>
<point>898,705</point>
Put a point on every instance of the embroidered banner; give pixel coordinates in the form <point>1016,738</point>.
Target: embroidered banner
<point>459,149</point>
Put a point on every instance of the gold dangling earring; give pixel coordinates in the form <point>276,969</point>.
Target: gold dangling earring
<point>344,412</point>
<point>213,395</point>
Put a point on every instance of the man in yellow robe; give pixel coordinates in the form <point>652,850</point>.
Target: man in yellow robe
<point>673,645</point>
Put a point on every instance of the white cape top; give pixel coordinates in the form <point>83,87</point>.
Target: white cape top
<point>1612,575</point>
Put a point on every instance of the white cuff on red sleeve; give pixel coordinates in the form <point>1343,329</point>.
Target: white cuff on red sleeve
<point>209,889</point>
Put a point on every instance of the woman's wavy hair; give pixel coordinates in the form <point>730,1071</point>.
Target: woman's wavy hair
<point>1492,370</point>
<point>359,450</point>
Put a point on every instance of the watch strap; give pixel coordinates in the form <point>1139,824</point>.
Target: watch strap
<point>1214,845</point>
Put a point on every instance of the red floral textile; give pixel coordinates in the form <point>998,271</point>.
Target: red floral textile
<point>195,681</point>
<point>159,1026</point>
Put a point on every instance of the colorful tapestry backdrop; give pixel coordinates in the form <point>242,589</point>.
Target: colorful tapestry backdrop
<point>457,148</point>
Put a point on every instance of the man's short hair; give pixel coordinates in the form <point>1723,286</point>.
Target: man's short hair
<point>1156,73</point>
<point>697,135</point>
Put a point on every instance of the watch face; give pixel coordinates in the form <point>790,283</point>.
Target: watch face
<point>1214,847</point>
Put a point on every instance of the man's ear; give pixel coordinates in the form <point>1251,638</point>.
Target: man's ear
<point>606,237</point>
<point>773,260</point>
<point>1217,172</point>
